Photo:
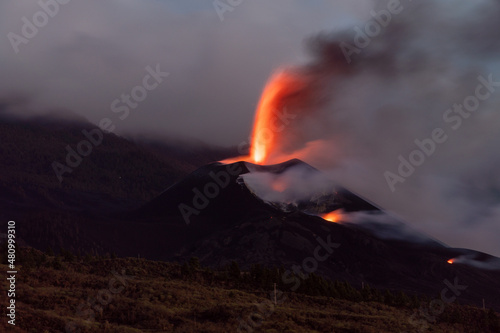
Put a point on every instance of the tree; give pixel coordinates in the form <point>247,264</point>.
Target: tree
<point>366,293</point>
<point>194,263</point>
<point>493,322</point>
<point>186,270</point>
<point>67,255</point>
<point>87,258</point>
<point>257,274</point>
<point>43,258</point>
<point>57,264</point>
<point>389,298</point>
<point>401,299</point>
<point>234,271</point>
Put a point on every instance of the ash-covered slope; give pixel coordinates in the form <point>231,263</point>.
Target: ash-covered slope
<point>216,197</point>
<point>221,213</point>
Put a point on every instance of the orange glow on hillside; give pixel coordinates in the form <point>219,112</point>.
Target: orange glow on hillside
<point>450,261</point>
<point>279,185</point>
<point>334,216</point>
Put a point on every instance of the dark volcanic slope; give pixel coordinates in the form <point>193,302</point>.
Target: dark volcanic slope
<point>117,175</point>
<point>233,224</point>
<point>231,198</point>
<point>237,225</point>
<point>185,207</point>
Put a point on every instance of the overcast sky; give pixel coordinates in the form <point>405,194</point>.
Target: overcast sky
<point>92,51</point>
<point>396,91</point>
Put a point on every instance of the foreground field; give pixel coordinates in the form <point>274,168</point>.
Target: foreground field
<point>69,294</point>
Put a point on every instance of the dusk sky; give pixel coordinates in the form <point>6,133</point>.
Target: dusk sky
<point>430,57</point>
<point>91,52</point>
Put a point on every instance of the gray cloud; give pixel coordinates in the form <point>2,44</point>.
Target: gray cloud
<point>394,91</point>
<point>397,89</point>
<point>92,51</point>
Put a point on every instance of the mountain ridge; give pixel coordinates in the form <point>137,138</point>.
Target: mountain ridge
<point>100,215</point>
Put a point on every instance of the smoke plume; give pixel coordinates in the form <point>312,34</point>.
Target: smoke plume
<point>408,115</point>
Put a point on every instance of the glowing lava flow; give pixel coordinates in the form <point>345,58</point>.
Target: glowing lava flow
<point>268,118</point>
<point>334,216</point>
<point>450,261</point>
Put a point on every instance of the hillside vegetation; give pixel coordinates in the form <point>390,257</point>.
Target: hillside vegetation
<point>68,293</point>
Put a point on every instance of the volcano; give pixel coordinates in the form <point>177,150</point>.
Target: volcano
<point>224,212</point>
<point>218,194</point>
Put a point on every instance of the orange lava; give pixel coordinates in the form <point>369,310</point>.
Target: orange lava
<point>450,261</point>
<point>334,216</point>
<point>268,117</point>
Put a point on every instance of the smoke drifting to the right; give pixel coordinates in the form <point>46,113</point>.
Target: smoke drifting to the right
<point>406,115</point>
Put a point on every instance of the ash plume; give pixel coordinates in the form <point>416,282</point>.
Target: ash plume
<point>398,89</point>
